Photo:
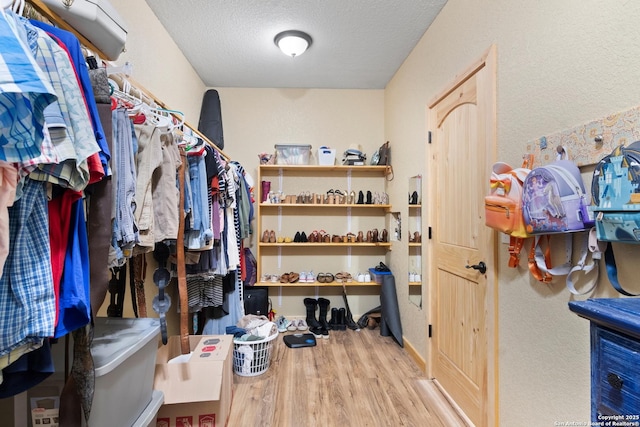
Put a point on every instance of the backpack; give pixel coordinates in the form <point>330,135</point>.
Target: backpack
<point>554,199</point>
<point>503,205</point>
<point>615,187</point>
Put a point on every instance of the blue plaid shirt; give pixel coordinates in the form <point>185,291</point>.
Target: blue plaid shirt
<point>24,94</point>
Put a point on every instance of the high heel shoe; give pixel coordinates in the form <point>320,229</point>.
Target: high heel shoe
<point>360,237</point>
<point>385,236</point>
<point>369,198</point>
<point>414,198</point>
<point>272,236</point>
<point>265,237</point>
<point>360,198</point>
<point>352,198</point>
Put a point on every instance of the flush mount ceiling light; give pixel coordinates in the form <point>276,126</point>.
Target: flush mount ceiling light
<point>293,43</point>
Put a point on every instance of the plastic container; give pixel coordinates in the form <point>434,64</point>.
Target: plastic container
<point>252,358</point>
<point>376,276</point>
<point>124,356</point>
<point>148,416</point>
<point>326,156</point>
<point>292,154</point>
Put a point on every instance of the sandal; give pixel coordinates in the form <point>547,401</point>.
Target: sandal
<point>339,277</point>
<point>293,277</point>
<point>284,278</point>
<point>328,277</point>
<point>313,237</point>
<point>320,278</point>
<point>351,238</point>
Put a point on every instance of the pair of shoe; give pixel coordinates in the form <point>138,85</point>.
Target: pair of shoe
<point>416,238</point>
<point>318,327</point>
<point>269,236</point>
<point>307,277</point>
<point>325,278</point>
<point>289,277</point>
<point>415,277</point>
<point>297,325</point>
<point>267,277</point>
<point>282,323</point>
<point>363,277</point>
<point>300,237</point>
<point>343,276</point>
<point>338,320</point>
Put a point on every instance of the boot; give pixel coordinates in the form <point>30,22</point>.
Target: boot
<point>341,324</point>
<point>266,188</point>
<point>333,323</point>
<point>314,326</point>
<point>360,198</point>
<point>323,303</point>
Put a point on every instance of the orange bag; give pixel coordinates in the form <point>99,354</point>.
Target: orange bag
<point>503,206</point>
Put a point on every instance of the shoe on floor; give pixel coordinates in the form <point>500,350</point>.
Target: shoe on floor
<point>301,325</point>
<point>293,326</point>
<point>282,324</point>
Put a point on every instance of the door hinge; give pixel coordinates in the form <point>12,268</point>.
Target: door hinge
<point>430,331</point>
<point>429,137</point>
<point>430,233</point>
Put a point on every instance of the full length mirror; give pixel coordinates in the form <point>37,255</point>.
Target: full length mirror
<point>414,228</point>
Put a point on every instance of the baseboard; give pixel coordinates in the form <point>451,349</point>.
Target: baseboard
<point>415,355</point>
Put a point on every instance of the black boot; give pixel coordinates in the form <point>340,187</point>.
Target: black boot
<point>341,324</point>
<point>334,319</point>
<point>314,326</point>
<point>323,303</point>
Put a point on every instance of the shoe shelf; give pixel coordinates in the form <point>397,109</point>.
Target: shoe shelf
<point>325,244</point>
<point>318,284</point>
<point>342,218</point>
<point>315,169</point>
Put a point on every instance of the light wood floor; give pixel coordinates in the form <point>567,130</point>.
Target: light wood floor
<point>351,379</point>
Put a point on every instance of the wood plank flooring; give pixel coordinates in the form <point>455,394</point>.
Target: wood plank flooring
<point>352,379</point>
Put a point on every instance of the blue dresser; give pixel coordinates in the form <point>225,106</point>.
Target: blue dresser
<point>615,357</point>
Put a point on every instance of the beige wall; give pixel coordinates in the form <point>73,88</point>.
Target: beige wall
<point>560,64</point>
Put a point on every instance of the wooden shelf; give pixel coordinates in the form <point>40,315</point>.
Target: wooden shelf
<point>415,283</point>
<point>415,206</point>
<point>314,169</point>
<point>299,245</point>
<point>318,284</point>
<point>415,245</point>
<point>322,205</point>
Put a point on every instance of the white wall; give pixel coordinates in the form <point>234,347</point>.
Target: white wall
<point>560,64</point>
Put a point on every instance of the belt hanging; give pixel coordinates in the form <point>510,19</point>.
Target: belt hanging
<point>137,273</point>
<point>117,287</point>
<point>162,277</point>
<point>182,274</point>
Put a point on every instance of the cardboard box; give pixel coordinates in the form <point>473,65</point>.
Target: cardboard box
<point>196,387</point>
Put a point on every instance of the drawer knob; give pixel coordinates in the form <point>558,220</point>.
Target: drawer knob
<point>614,380</point>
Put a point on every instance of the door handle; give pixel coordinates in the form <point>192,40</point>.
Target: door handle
<point>481,267</point>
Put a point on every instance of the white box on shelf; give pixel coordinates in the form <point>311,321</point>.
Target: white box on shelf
<point>326,156</point>
<point>124,355</point>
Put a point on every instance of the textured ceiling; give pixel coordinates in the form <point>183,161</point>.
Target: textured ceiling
<point>357,44</point>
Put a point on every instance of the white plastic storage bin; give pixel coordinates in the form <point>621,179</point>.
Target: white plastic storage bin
<point>97,20</point>
<point>124,356</point>
<point>148,416</point>
<point>326,156</point>
<point>291,154</point>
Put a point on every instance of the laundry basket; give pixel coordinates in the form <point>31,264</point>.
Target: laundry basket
<point>251,358</point>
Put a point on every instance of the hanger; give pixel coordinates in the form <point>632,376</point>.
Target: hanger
<point>18,7</point>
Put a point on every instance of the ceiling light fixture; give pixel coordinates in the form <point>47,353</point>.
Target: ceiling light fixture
<point>293,43</point>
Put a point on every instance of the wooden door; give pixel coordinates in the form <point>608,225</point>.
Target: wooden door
<point>463,300</point>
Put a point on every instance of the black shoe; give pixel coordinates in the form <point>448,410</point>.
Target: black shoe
<point>369,198</point>
<point>414,198</point>
<point>341,324</point>
<point>303,237</point>
<point>311,305</point>
<point>333,323</point>
<point>360,198</point>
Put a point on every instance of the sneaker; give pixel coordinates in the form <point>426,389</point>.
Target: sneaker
<point>282,324</point>
<point>293,326</point>
<point>311,277</point>
<point>302,325</point>
<point>367,277</point>
<point>303,278</point>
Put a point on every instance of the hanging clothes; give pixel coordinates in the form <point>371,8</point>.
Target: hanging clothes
<point>24,94</point>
